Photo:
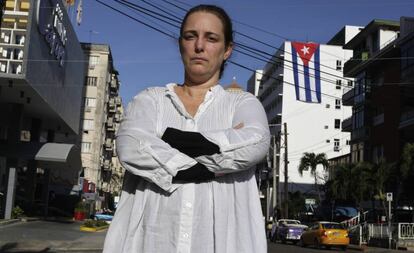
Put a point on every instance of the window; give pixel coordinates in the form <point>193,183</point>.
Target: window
<point>327,105</point>
<point>328,141</point>
<point>91,81</point>
<point>90,102</point>
<point>337,104</point>
<point>86,147</point>
<point>338,65</point>
<point>93,61</point>
<point>336,145</point>
<point>326,127</point>
<point>347,142</point>
<point>337,123</point>
<point>338,84</point>
<point>88,124</point>
<point>350,83</point>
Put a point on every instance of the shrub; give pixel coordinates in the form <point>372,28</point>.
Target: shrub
<point>94,223</point>
<point>17,212</point>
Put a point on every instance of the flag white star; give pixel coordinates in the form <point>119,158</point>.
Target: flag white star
<point>305,50</point>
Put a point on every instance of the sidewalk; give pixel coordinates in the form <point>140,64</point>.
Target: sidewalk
<point>364,248</point>
<point>51,236</point>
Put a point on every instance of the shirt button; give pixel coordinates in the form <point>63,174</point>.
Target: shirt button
<point>188,204</point>
<point>185,235</point>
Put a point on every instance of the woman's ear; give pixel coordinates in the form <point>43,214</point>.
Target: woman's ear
<point>228,51</point>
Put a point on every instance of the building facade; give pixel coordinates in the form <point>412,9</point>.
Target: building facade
<point>102,112</point>
<point>41,84</point>
<point>382,97</point>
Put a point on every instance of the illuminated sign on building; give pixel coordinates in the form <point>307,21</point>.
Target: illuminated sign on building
<point>50,23</point>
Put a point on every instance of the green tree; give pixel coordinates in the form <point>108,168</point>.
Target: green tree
<point>309,162</point>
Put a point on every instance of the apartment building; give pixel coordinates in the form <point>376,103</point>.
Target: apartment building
<point>313,114</point>
<point>41,84</point>
<point>381,100</point>
<point>101,114</point>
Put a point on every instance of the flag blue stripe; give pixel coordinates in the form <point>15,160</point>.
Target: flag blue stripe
<point>295,71</point>
<point>317,76</point>
<point>307,83</point>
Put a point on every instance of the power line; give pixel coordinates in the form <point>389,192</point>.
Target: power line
<point>145,10</point>
<point>143,23</point>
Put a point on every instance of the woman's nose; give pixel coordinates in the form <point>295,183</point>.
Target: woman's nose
<point>199,45</point>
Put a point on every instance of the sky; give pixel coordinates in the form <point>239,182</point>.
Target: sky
<point>145,57</point>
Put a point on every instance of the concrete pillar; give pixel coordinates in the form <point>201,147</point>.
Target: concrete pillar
<point>11,189</point>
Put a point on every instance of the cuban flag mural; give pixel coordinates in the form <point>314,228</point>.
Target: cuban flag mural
<point>306,71</point>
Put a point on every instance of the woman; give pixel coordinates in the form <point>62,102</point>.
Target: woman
<point>188,151</point>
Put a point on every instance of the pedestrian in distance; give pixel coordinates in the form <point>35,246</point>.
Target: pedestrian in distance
<point>188,150</point>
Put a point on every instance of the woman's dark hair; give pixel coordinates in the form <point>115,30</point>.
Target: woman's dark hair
<point>224,18</point>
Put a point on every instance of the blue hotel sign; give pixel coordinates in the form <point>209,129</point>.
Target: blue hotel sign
<point>49,17</point>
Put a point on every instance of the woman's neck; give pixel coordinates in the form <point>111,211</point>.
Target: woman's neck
<point>197,90</point>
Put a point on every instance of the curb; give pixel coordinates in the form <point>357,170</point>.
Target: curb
<point>8,222</point>
<point>95,229</point>
<point>362,248</point>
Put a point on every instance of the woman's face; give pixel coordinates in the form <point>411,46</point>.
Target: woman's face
<point>202,47</point>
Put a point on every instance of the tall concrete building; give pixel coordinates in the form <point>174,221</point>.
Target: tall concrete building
<point>41,84</point>
<point>302,86</point>
<point>102,112</point>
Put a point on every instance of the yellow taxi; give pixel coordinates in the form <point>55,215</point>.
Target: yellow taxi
<point>324,233</point>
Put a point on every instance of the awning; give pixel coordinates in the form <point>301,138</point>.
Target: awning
<point>60,155</point>
<point>49,155</point>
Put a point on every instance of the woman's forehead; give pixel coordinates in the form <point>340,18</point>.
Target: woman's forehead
<point>205,21</point>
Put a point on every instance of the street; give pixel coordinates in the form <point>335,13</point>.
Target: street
<point>65,236</point>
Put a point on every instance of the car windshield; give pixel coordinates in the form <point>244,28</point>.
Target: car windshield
<point>332,226</point>
<point>292,222</point>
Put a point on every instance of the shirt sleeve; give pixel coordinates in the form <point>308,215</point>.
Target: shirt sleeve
<point>141,151</point>
<point>241,148</point>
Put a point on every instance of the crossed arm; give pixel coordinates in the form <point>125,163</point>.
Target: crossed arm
<point>202,156</point>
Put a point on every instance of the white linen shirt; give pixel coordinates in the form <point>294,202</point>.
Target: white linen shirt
<point>222,215</point>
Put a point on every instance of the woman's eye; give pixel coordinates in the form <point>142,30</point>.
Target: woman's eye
<point>212,39</point>
<point>189,37</point>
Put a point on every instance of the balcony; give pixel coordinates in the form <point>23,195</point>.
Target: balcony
<point>118,117</point>
<point>113,84</point>
<point>110,124</point>
<point>108,144</point>
<point>351,64</point>
<point>106,164</point>
<point>348,97</point>
<point>111,105</point>
<point>407,119</point>
<point>361,133</point>
<point>347,125</point>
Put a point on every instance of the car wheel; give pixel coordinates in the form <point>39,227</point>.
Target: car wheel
<point>344,247</point>
<point>302,243</point>
<point>317,244</point>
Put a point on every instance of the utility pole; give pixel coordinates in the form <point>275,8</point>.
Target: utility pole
<point>275,176</point>
<point>286,210</point>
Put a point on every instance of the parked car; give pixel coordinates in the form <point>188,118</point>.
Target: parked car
<point>287,230</point>
<point>327,234</point>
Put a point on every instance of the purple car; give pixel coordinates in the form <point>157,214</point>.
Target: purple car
<point>287,230</point>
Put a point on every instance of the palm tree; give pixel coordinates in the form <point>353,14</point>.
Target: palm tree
<point>309,162</point>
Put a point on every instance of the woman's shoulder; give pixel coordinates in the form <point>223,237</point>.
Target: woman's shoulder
<point>154,91</point>
<point>238,94</point>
